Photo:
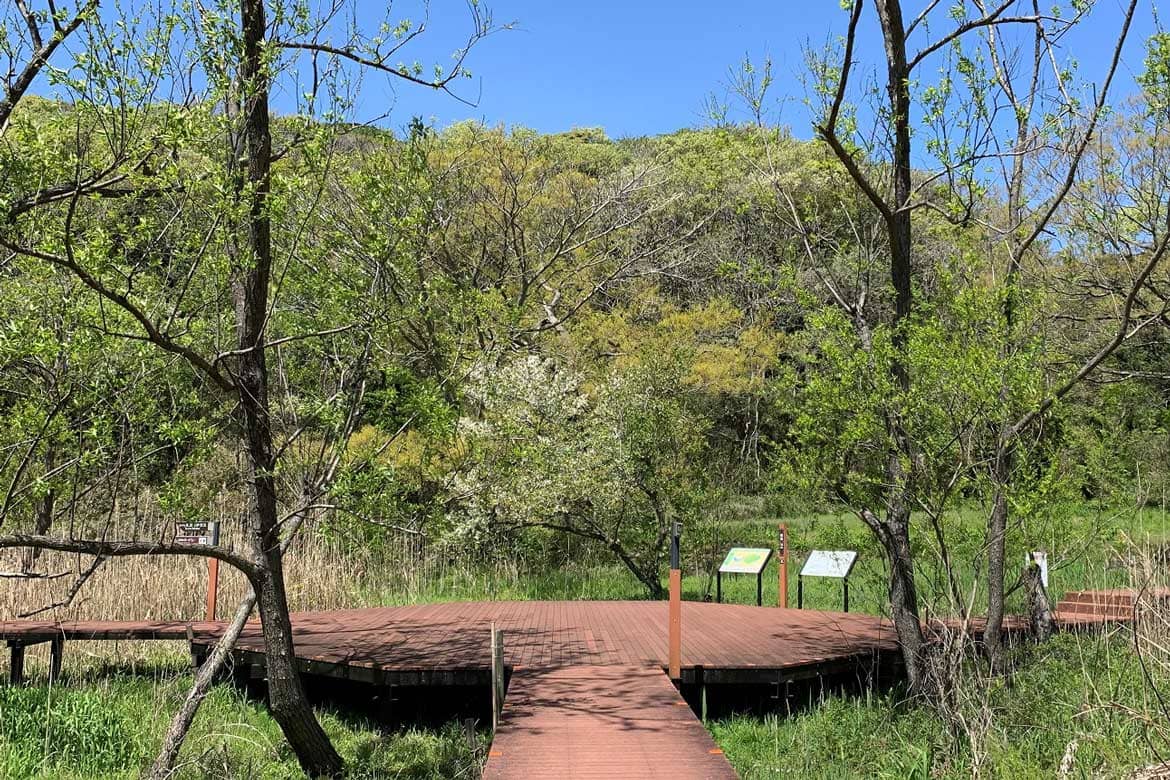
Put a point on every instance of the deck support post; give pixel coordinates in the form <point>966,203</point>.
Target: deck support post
<point>497,676</point>
<point>16,665</point>
<point>56,653</point>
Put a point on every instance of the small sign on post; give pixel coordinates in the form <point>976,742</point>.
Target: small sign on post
<point>744,560</point>
<point>204,532</point>
<point>835,564</point>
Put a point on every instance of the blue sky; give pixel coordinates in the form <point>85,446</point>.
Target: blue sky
<point>645,66</point>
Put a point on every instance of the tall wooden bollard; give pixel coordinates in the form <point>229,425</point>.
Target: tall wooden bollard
<point>674,639</point>
<point>497,676</point>
<point>782,563</point>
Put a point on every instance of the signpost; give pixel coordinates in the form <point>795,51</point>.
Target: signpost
<point>744,560</point>
<point>835,564</point>
<point>203,532</point>
<point>782,565</point>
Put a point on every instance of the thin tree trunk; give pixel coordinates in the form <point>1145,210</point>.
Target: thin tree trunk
<point>894,535</point>
<point>164,763</point>
<point>286,694</point>
<point>996,555</point>
<point>44,513</point>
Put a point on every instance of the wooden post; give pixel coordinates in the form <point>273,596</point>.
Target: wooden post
<point>497,676</point>
<point>674,640</point>
<point>56,651</point>
<point>212,572</point>
<point>16,667</point>
<point>675,624</point>
<point>783,565</point>
<point>212,586</point>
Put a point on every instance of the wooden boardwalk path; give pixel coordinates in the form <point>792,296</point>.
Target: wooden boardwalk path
<point>588,695</point>
<point>601,722</point>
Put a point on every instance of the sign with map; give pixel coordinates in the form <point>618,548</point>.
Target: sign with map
<point>745,560</point>
<point>829,563</point>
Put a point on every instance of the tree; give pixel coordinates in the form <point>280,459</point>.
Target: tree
<point>882,165</point>
<point>133,151</point>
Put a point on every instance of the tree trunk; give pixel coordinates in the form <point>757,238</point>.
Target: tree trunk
<point>894,535</point>
<point>895,530</point>
<point>996,556</point>
<point>286,694</point>
<point>164,763</point>
<point>44,513</point>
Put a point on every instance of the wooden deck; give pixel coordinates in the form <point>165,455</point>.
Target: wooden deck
<point>588,695</point>
<point>601,722</point>
<point>415,645</point>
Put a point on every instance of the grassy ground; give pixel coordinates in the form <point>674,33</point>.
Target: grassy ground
<point>1080,702</point>
<point>108,722</point>
<point>106,717</point>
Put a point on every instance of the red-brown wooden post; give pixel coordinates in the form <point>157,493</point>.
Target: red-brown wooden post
<point>675,627</point>
<point>782,562</point>
<point>212,586</point>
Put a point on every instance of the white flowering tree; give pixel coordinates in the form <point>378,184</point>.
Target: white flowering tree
<point>615,462</point>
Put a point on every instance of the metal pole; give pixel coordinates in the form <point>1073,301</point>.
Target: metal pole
<point>760,589</point>
<point>846,582</point>
<point>675,610</point>
<point>799,592</point>
<point>718,587</point>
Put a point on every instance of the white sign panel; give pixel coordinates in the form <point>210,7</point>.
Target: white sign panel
<point>1041,559</point>
<point>829,563</point>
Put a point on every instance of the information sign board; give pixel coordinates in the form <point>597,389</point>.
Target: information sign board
<point>829,563</point>
<point>197,532</point>
<point>745,560</point>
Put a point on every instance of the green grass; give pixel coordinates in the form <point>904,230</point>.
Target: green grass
<point>109,724</point>
<point>1088,690</point>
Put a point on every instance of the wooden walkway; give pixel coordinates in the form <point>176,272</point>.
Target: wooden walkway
<point>588,695</point>
<point>600,722</point>
<point>450,643</point>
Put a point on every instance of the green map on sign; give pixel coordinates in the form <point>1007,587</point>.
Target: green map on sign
<point>745,560</point>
